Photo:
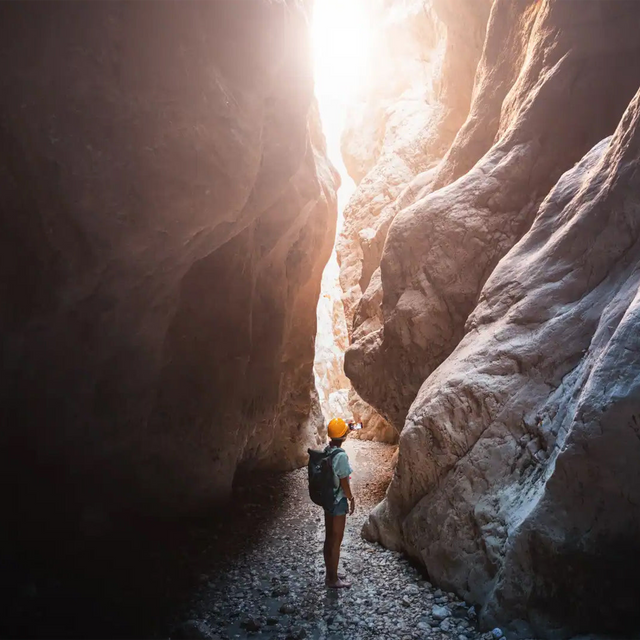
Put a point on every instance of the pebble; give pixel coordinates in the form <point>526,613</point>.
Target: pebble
<point>497,633</point>
<point>251,625</point>
<point>440,613</point>
<point>287,609</point>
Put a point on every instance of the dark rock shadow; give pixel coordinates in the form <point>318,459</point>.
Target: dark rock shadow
<point>136,582</point>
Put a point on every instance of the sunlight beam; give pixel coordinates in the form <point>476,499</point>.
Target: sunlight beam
<point>341,34</point>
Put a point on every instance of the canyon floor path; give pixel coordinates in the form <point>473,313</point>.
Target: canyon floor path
<point>253,569</point>
<point>270,583</point>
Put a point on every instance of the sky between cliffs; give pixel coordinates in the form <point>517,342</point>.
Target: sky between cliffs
<point>341,45</point>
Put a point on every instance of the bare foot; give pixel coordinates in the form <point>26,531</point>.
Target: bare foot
<point>338,584</point>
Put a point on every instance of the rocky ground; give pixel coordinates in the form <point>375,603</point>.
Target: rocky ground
<point>251,570</point>
<point>272,584</point>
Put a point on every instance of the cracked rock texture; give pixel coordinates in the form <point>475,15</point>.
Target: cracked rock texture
<point>508,329</point>
<point>167,210</point>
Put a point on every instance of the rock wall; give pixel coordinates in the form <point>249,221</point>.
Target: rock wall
<point>537,108</point>
<point>503,327</point>
<point>167,210</point>
<point>424,60</point>
<point>517,483</point>
<point>409,113</point>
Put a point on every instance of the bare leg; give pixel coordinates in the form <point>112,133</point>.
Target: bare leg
<point>332,558</point>
<point>328,537</point>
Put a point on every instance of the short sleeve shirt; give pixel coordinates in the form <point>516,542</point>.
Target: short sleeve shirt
<point>342,469</point>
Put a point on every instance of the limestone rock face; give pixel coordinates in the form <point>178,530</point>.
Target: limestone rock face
<point>517,483</point>
<point>537,108</point>
<point>167,210</point>
<point>374,426</point>
<point>425,56</point>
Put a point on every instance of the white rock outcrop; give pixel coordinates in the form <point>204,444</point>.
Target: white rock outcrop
<point>517,482</point>
<point>537,109</point>
<point>331,342</point>
<point>499,331</point>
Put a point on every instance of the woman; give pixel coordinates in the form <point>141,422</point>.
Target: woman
<point>336,517</point>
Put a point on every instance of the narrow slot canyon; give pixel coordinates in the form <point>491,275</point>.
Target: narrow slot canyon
<point>226,223</point>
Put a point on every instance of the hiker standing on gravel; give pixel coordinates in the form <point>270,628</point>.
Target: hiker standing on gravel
<point>329,472</point>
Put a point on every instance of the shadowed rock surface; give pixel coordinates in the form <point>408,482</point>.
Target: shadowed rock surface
<point>167,209</point>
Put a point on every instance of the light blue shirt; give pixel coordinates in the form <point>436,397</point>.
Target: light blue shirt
<point>342,469</point>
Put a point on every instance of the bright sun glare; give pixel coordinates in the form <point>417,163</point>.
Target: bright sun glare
<point>341,45</point>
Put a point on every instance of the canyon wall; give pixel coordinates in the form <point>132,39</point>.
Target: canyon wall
<point>538,96</point>
<point>422,68</point>
<point>167,210</point>
<point>424,60</point>
<point>499,332</point>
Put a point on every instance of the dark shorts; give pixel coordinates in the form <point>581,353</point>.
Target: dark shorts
<point>340,508</point>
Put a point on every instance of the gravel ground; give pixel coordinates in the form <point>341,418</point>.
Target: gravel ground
<point>252,569</point>
<point>271,583</point>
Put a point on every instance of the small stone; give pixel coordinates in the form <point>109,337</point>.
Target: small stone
<point>282,590</point>
<point>440,613</point>
<point>412,590</point>
<point>287,608</point>
<point>445,626</point>
<point>251,625</point>
<point>496,633</point>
